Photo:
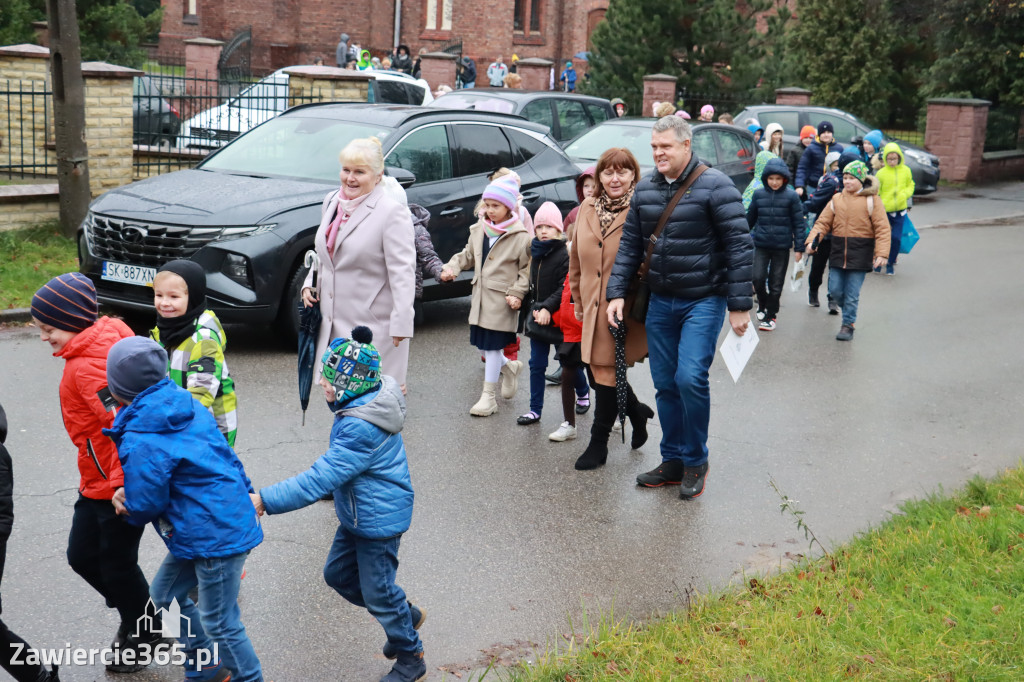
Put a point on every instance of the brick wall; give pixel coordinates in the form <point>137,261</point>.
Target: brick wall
<point>955,131</point>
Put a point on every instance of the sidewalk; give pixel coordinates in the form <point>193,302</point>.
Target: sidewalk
<point>975,204</point>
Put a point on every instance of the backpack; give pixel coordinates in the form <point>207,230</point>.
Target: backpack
<point>871,204</point>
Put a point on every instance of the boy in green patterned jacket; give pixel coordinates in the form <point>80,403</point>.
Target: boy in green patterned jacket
<point>194,340</point>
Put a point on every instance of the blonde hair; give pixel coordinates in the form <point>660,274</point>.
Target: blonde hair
<point>365,151</point>
<point>513,80</point>
<point>663,109</point>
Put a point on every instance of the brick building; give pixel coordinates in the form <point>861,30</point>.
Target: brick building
<point>286,32</point>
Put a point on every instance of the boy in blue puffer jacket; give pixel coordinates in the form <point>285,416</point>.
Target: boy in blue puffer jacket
<point>366,468</point>
<point>776,219</point>
<point>181,475</point>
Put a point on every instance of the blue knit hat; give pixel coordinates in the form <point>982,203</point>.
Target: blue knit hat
<point>504,190</point>
<point>352,365</point>
<point>66,302</point>
<point>133,365</point>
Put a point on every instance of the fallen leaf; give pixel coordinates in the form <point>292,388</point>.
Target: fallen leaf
<point>998,608</point>
<point>801,575</point>
<point>742,642</point>
<point>963,511</point>
<point>818,611</point>
<point>1020,508</point>
<point>867,657</point>
<point>984,511</point>
<point>682,661</point>
<point>612,667</point>
<point>949,622</point>
<point>800,613</point>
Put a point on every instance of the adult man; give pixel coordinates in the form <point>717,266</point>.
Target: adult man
<point>466,68</point>
<point>341,51</point>
<point>496,73</point>
<point>701,264</point>
<point>812,163</point>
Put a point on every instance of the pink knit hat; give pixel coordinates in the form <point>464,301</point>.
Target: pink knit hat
<point>707,108</point>
<point>504,190</point>
<point>548,214</point>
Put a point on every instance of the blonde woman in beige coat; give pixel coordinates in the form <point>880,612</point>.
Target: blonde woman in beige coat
<point>367,261</point>
<point>591,257</point>
<point>499,253</point>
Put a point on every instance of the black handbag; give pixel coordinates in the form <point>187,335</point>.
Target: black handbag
<point>544,333</point>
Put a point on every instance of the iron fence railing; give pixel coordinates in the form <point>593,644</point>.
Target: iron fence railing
<point>1005,129</point>
<point>26,139</point>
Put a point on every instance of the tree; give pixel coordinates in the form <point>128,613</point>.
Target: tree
<point>114,30</point>
<point>16,17</point>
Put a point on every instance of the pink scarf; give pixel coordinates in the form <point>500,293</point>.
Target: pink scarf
<point>498,229</point>
<point>345,209</point>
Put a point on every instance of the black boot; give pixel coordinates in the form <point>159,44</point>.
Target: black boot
<point>638,414</point>
<point>49,676</point>
<point>596,453</point>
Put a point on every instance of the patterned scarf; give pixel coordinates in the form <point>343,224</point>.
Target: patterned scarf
<point>345,209</point>
<point>607,208</point>
<point>498,229</point>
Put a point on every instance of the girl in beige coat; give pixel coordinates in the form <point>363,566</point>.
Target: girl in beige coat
<point>499,253</point>
<point>591,257</point>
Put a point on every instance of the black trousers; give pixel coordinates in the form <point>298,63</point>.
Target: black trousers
<point>103,548</point>
<point>818,264</point>
<point>8,650</point>
<point>770,265</point>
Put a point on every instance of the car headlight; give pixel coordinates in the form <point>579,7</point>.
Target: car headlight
<point>229,233</point>
<point>921,157</point>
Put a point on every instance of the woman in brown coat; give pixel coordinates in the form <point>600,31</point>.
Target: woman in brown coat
<point>591,257</point>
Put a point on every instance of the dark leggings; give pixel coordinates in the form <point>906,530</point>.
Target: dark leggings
<point>11,645</point>
<point>818,264</point>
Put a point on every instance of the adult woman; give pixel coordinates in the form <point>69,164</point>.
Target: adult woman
<point>367,253</point>
<point>591,257</point>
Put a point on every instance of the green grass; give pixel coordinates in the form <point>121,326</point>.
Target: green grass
<point>29,258</point>
<point>935,594</point>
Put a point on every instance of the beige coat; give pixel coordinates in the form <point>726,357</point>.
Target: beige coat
<point>590,265</point>
<point>369,279</point>
<point>506,272</point>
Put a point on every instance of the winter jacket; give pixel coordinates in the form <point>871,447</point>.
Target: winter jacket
<point>6,495</point>
<point>467,71</point>
<point>705,249</point>
<point>569,226</point>
<point>341,52</point>
<point>793,156</point>
<point>756,183</point>
<point>199,367</point>
<point>85,416</point>
<point>365,466</point>
<point>506,272</point>
<point>812,163</point>
<point>767,140</point>
<point>858,237</point>
<point>496,74</point>
<point>547,275</point>
<point>776,217</point>
<point>895,183</point>
<point>830,184</point>
<point>402,62</point>
<point>182,476</point>
<point>565,317</point>
<point>427,260</point>
<point>875,137</point>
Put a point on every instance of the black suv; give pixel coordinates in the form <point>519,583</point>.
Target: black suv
<point>249,212</point>
<point>566,114</point>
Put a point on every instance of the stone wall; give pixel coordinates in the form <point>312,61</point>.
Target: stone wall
<point>326,84</point>
<point>26,114</point>
<point>108,124</point>
<point>26,205</point>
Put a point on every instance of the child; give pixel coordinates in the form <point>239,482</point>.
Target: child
<point>776,219</point>
<point>707,113</point>
<point>756,182</point>
<point>772,141</point>
<point>499,252</point>
<point>366,468</point>
<point>856,221</point>
<point>195,341</point>
<point>180,475</point>
<point>830,184</point>
<point>13,649</point>
<point>895,187</point>
<point>568,78</point>
<point>102,548</point>
<point>586,185</point>
<point>571,363</point>
<point>794,155</point>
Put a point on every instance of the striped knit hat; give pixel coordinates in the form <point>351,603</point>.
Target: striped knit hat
<point>66,302</point>
<point>504,190</point>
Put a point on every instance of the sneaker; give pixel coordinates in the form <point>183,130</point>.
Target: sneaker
<point>760,315</point>
<point>221,674</point>
<point>419,617</point>
<point>693,481</point>
<point>812,298</point>
<point>833,307</point>
<point>583,404</point>
<point>408,668</point>
<point>530,417</point>
<point>878,270</point>
<point>130,663</point>
<point>555,377</point>
<point>889,270</point>
<point>565,432</point>
<point>845,333</point>
<point>767,324</point>
<point>669,472</point>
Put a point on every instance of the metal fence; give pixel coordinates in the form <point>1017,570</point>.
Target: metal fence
<point>724,103</point>
<point>1004,131</point>
<point>26,140</point>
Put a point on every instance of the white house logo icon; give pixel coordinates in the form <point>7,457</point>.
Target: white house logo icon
<point>170,622</point>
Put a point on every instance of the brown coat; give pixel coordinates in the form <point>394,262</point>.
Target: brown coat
<point>590,264</point>
<point>506,272</point>
<point>859,235</point>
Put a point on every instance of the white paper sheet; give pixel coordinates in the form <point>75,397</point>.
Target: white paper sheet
<point>736,350</point>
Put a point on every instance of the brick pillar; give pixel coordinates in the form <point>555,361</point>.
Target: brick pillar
<point>326,84</point>
<point>438,68</point>
<point>108,124</point>
<point>793,96</point>
<point>535,72</point>
<point>955,131</point>
<point>24,63</point>
<point>201,57</point>
<point>26,68</point>
<point>658,87</point>
<point>42,30</point>
<point>202,84</point>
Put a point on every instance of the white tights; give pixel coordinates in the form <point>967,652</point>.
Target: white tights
<point>494,360</point>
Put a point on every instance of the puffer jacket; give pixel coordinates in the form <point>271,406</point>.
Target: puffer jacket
<point>427,260</point>
<point>756,183</point>
<point>181,475</point>
<point>895,183</point>
<point>705,249</point>
<point>776,217</point>
<point>812,163</point>
<point>547,273</point>
<point>858,236</point>
<point>6,495</point>
<point>365,466</point>
<point>85,416</point>
<point>565,317</point>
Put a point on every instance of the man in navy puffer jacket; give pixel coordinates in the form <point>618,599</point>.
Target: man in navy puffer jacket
<point>700,266</point>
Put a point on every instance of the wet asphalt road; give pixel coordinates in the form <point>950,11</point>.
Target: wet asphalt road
<point>509,544</point>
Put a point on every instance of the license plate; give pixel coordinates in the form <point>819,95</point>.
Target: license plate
<point>129,274</point>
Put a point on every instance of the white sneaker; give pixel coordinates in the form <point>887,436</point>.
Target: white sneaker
<point>565,432</point>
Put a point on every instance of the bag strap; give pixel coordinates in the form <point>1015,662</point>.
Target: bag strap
<point>653,239</point>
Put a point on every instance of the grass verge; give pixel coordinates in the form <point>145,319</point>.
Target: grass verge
<point>934,594</point>
<point>29,258</point>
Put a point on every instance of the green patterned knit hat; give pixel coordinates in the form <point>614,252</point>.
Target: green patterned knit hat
<point>857,169</point>
<point>352,365</point>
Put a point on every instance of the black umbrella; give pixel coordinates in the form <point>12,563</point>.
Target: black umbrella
<point>621,385</point>
<point>309,329</point>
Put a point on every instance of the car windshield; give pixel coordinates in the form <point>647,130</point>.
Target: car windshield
<point>292,146</point>
<point>456,101</point>
<point>590,145</point>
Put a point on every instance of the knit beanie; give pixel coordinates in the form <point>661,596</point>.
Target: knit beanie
<point>548,214</point>
<point>830,158</point>
<point>857,169</point>
<point>504,190</point>
<point>807,131</point>
<point>706,109</point>
<point>66,302</point>
<point>352,365</point>
<point>133,365</point>
<point>826,127</point>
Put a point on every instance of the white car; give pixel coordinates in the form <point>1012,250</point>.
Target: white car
<point>267,98</point>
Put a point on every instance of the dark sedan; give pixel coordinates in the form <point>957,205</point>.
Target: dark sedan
<point>154,120</point>
<point>249,212</point>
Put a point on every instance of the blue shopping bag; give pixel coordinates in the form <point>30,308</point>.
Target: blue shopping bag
<point>910,235</point>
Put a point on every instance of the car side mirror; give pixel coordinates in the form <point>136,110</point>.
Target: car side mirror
<point>404,177</point>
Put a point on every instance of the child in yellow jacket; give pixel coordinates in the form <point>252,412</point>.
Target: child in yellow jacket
<point>895,188</point>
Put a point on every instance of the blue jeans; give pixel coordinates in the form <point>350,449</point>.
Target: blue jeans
<point>539,352</point>
<point>844,287</point>
<point>681,338</point>
<point>363,571</point>
<point>216,619</point>
<point>896,230</point>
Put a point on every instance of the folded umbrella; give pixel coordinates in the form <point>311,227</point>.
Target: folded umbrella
<point>621,385</point>
<point>309,328</point>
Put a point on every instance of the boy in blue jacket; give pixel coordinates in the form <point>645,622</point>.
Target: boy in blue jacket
<point>776,219</point>
<point>181,475</point>
<point>366,468</point>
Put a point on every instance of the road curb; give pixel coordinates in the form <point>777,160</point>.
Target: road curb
<point>986,220</point>
<point>16,315</point>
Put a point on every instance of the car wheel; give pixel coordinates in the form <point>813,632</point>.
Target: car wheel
<point>164,142</point>
<point>287,323</point>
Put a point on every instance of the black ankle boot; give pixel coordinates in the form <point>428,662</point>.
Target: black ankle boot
<point>638,414</point>
<point>596,453</point>
<point>48,676</point>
